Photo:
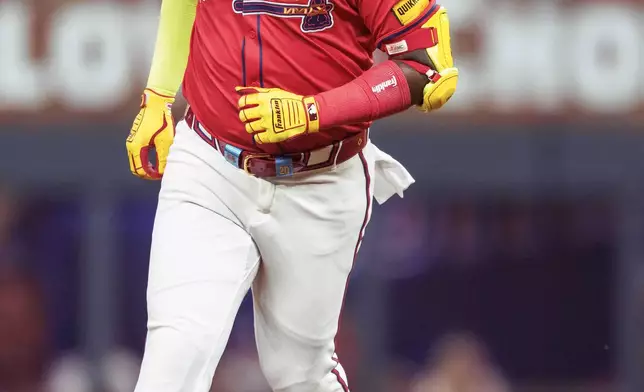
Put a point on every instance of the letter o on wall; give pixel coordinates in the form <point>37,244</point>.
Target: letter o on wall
<point>90,67</point>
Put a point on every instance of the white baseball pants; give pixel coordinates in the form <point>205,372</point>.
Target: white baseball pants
<point>217,233</point>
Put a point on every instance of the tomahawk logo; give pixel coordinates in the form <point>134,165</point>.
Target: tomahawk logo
<point>316,15</point>
<point>380,87</point>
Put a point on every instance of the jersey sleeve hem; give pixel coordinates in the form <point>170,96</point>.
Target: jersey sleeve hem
<point>403,30</point>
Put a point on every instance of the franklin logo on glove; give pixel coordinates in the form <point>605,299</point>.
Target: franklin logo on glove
<point>277,114</point>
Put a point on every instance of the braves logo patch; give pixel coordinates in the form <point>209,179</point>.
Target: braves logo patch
<point>316,15</point>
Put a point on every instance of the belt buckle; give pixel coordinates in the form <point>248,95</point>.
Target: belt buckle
<point>248,157</point>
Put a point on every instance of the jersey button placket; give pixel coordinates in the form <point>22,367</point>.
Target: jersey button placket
<point>252,53</point>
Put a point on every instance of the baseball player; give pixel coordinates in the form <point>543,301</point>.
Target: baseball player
<point>269,179</point>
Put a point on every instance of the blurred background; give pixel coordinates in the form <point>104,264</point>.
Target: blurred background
<point>515,263</point>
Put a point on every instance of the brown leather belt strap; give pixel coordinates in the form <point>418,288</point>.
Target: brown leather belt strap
<point>266,165</point>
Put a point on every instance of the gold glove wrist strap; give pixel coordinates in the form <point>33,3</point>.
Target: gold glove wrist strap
<point>153,98</point>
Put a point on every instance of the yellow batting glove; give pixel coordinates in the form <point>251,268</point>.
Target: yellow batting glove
<point>152,128</point>
<point>444,76</point>
<point>273,115</point>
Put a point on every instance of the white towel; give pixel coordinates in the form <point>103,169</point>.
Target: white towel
<point>390,178</point>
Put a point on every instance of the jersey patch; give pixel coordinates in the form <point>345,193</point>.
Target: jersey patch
<point>397,47</point>
<point>408,10</point>
<point>316,15</point>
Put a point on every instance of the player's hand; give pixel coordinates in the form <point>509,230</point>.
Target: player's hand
<point>273,115</point>
<point>152,128</point>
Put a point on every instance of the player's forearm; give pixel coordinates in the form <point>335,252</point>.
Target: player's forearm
<point>172,45</point>
<point>385,89</point>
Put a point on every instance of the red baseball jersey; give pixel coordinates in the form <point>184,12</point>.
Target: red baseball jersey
<point>302,46</point>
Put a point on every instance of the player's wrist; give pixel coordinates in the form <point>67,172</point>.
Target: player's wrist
<point>158,95</point>
<point>153,98</point>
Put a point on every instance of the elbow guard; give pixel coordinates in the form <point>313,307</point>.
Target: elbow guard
<point>432,37</point>
<point>443,77</point>
<point>440,89</point>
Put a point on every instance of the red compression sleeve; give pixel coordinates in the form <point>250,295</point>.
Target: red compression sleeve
<point>377,93</point>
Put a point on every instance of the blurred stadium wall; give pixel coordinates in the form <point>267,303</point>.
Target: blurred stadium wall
<point>516,261</point>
